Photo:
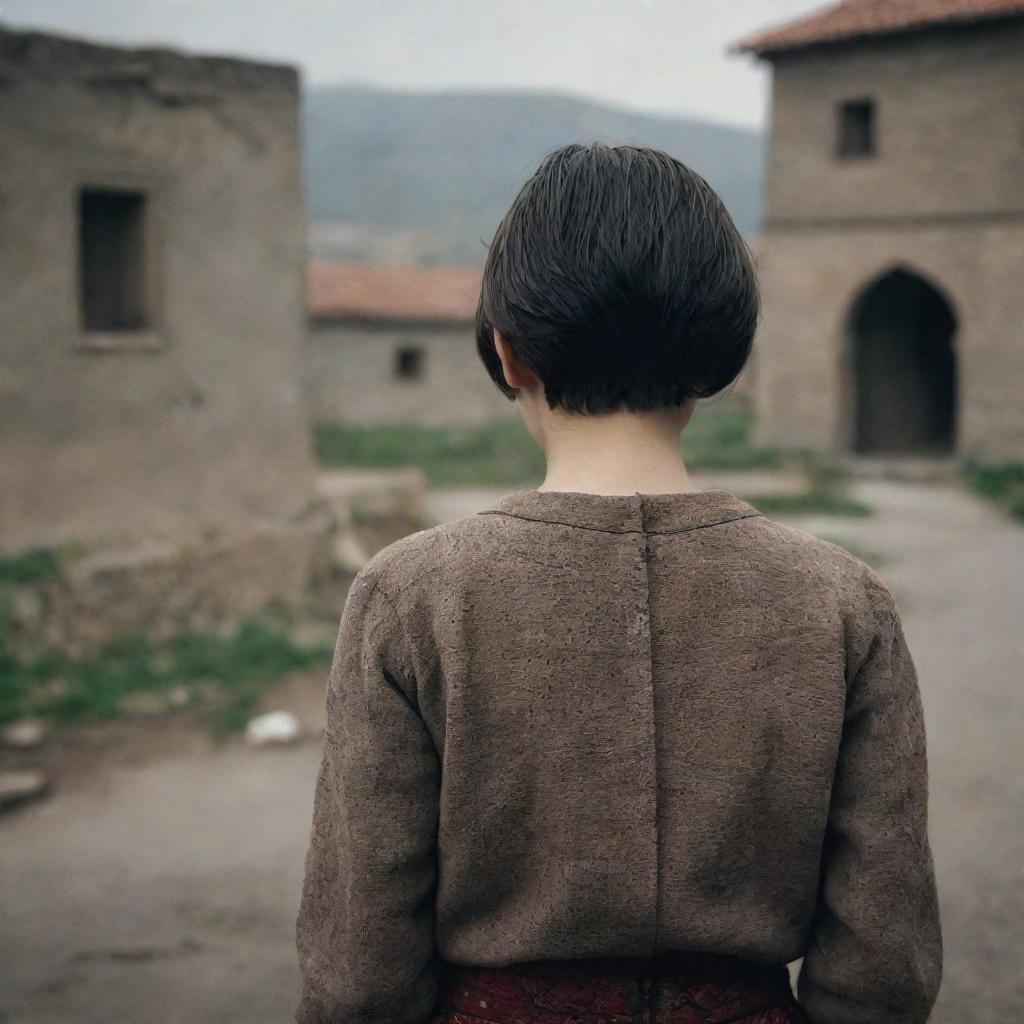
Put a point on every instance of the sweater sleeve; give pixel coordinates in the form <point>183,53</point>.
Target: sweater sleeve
<point>875,951</point>
<point>365,927</point>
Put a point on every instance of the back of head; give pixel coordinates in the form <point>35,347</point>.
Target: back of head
<point>619,277</point>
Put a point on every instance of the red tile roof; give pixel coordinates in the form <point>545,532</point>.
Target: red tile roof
<point>856,19</point>
<point>403,292</point>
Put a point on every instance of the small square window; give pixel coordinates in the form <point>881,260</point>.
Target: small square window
<point>409,362</point>
<point>856,128</point>
<point>112,260</point>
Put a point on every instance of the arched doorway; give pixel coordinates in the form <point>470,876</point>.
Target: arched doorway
<point>904,367</point>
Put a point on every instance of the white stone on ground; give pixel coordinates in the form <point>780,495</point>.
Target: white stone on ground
<point>18,786</point>
<point>25,732</point>
<point>179,696</point>
<point>275,727</point>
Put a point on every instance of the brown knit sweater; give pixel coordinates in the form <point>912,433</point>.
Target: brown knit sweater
<point>578,725</point>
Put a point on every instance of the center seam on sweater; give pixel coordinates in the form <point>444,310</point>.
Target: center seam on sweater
<point>645,555</point>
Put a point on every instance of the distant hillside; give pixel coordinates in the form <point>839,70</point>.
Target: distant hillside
<point>428,176</point>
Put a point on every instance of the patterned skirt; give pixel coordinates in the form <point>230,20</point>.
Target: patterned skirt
<point>669,988</point>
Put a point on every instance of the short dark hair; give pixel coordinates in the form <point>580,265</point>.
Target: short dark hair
<point>618,275</point>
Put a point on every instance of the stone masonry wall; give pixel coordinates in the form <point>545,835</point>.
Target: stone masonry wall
<point>943,198</point>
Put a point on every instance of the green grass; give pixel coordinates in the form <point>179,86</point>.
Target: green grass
<point>872,558</point>
<point>497,453</point>
<point>720,439</point>
<point>812,502</point>
<point>823,496</point>
<point>1001,483</point>
<point>226,674</point>
<point>502,453</point>
<point>31,566</point>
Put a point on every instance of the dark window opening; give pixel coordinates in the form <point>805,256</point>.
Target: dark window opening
<point>112,259</point>
<point>409,362</point>
<point>856,128</point>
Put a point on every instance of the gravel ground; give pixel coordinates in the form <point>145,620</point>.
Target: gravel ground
<point>160,881</point>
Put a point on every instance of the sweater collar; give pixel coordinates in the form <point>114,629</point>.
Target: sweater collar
<point>625,513</point>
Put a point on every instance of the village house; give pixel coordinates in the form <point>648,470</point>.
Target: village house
<point>892,254</point>
<point>152,309</point>
<point>395,344</point>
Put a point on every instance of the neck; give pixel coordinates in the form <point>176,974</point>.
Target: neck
<point>615,453</point>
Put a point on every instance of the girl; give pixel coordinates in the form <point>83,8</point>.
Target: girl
<point>617,748</point>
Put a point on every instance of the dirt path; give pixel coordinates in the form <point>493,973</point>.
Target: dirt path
<point>163,887</point>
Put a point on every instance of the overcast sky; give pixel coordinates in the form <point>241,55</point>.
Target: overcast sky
<point>665,56</point>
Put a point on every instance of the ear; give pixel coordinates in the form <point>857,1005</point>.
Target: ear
<point>517,373</point>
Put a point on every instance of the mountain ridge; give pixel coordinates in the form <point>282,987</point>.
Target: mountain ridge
<point>427,176</point>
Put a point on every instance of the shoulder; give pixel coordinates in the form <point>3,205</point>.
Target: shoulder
<point>811,555</point>
<point>434,556</point>
<point>827,572</point>
<point>823,570</point>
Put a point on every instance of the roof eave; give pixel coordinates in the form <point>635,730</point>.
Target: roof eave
<point>768,50</point>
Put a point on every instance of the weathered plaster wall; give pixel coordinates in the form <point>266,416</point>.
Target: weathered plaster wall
<point>350,376</point>
<point>198,423</point>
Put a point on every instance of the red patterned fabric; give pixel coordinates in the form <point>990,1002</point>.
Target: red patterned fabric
<point>668,989</point>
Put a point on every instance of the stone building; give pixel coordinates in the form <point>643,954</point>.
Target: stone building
<point>892,253</point>
<point>152,308</point>
<point>395,344</point>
